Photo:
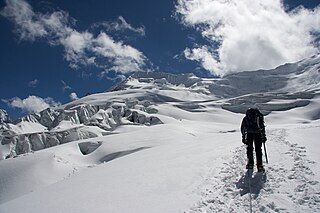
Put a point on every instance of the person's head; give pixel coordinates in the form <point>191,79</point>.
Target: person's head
<point>251,111</point>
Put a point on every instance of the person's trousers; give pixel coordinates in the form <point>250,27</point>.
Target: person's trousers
<point>256,140</point>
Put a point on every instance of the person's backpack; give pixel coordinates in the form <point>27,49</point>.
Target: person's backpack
<point>254,121</point>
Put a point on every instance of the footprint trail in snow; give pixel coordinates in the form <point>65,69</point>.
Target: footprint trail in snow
<point>289,184</point>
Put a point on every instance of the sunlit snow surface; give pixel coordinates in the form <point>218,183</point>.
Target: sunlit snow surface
<point>191,162</point>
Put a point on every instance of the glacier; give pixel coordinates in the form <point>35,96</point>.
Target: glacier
<point>159,142</point>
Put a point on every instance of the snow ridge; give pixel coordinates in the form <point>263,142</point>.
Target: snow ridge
<point>149,80</point>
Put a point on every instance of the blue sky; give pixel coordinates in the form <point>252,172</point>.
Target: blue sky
<point>55,51</point>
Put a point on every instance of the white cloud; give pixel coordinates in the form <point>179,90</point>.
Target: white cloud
<point>73,96</point>
<point>31,104</point>
<point>81,48</point>
<point>249,35</point>
<point>124,58</point>
<point>204,57</point>
<point>76,46</point>
<point>65,86</point>
<point>28,26</point>
<point>76,41</point>
<point>33,83</point>
<point>122,25</point>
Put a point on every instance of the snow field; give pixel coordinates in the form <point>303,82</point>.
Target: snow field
<point>150,180</point>
<point>193,163</point>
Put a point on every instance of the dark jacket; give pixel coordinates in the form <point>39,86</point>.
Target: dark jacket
<point>255,126</point>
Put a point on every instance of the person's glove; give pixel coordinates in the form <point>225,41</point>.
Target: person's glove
<point>263,138</point>
<point>244,141</point>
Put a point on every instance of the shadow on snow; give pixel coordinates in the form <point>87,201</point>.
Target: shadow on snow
<point>249,183</point>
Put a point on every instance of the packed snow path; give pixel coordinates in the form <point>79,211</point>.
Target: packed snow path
<point>288,182</point>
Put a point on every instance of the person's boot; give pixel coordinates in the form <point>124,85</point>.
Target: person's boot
<point>249,166</point>
<point>261,169</point>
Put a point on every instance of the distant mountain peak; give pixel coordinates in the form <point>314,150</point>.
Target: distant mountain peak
<point>157,79</point>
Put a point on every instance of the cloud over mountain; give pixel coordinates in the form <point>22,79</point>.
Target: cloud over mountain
<point>249,35</point>
<point>73,96</point>
<point>31,104</point>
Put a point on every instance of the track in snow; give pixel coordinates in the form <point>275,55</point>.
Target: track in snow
<point>288,186</point>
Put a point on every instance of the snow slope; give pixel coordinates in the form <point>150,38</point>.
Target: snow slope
<point>189,160</point>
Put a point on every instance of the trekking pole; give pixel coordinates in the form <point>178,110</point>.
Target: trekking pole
<point>265,152</point>
<point>250,196</point>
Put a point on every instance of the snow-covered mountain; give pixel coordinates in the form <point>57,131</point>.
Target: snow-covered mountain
<point>159,142</point>
<point>132,102</point>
